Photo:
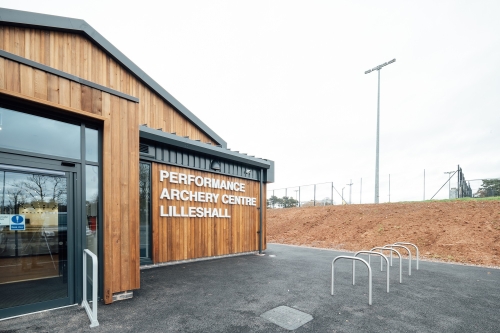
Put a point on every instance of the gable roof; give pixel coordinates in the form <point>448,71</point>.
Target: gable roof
<point>23,18</point>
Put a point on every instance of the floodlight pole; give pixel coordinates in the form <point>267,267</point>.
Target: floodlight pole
<point>378,68</point>
<point>378,136</point>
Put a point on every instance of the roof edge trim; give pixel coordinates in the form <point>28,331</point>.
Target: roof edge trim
<point>221,152</point>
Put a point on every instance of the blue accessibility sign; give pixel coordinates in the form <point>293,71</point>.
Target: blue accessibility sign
<point>17,219</point>
<point>17,222</point>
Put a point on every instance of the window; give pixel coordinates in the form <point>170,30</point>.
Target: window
<point>26,132</point>
<point>145,212</point>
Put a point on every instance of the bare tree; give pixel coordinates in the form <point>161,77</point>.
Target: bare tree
<point>36,186</point>
<point>17,198</point>
<point>58,189</point>
<point>42,187</point>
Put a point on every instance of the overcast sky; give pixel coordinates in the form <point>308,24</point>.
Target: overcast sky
<point>284,80</point>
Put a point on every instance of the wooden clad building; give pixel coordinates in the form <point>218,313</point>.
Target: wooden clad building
<point>94,154</point>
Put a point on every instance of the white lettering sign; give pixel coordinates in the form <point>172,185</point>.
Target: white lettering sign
<point>182,178</point>
<point>201,196</point>
<point>5,219</point>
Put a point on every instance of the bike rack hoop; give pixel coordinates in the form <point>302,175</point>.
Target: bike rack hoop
<point>369,274</point>
<point>416,248</point>
<point>407,250</point>
<point>380,248</point>
<point>369,254</point>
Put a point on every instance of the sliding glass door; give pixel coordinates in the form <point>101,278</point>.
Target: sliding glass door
<point>36,227</point>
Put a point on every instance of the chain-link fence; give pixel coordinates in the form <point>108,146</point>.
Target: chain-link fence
<point>321,194</point>
<point>483,188</point>
<point>410,185</point>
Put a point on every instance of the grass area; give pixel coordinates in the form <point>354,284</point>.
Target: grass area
<point>454,200</point>
<point>468,199</point>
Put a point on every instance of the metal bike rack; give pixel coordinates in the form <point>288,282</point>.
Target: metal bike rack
<point>407,250</point>
<point>85,304</point>
<point>369,253</point>
<point>400,260</point>
<point>369,274</point>
<point>416,248</point>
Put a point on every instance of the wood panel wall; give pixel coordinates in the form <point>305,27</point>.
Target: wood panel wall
<point>74,54</point>
<point>39,86</point>
<point>121,198</point>
<point>180,238</point>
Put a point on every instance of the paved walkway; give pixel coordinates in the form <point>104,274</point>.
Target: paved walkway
<point>229,295</point>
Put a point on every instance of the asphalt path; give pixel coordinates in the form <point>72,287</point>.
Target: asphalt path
<point>230,294</point>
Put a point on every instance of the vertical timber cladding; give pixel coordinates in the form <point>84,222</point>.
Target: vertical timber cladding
<point>214,225</point>
<point>121,198</point>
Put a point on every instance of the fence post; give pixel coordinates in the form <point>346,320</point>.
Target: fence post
<point>360,191</point>
<point>389,187</point>
<point>314,195</point>
<point>424,184</point>
<point>332,193</point>
<point>299,196</point>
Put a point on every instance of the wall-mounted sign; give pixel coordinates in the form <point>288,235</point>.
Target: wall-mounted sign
<point>5,219</point>
<point>15,222</point>
<point>197,190</point>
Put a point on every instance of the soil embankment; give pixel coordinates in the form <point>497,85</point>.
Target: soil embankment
<point>456,231</point>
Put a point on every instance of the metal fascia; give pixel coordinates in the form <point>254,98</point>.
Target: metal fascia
<point>270,172</point>
<point>221,152</point>
<point>66,23</point>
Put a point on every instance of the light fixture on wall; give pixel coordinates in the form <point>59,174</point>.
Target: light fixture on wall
<point>215,165</point>
<point>248,172</point>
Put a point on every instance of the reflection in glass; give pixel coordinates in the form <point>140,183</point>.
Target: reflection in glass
<point>91,146</point>
<point>144,210</point>
<point>92,206</point>
<point>33,262</point>
<point>26,132</point>
<point>92,225</point>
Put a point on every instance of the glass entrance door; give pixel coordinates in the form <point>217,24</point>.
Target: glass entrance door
<point>35,213</point>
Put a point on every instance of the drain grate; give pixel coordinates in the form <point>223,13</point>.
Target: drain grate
<point>287,317</point>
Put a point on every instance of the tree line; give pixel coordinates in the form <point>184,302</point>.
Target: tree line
<point>285,202</point>
<point>489,188</point>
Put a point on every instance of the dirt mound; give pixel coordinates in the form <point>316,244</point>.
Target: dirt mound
<point>457,231</point>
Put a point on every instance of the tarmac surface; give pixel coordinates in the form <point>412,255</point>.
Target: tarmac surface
<point>231,294</point>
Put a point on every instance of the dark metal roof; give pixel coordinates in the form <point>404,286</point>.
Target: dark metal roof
<point>199,147</point>
<point>23,18</point>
